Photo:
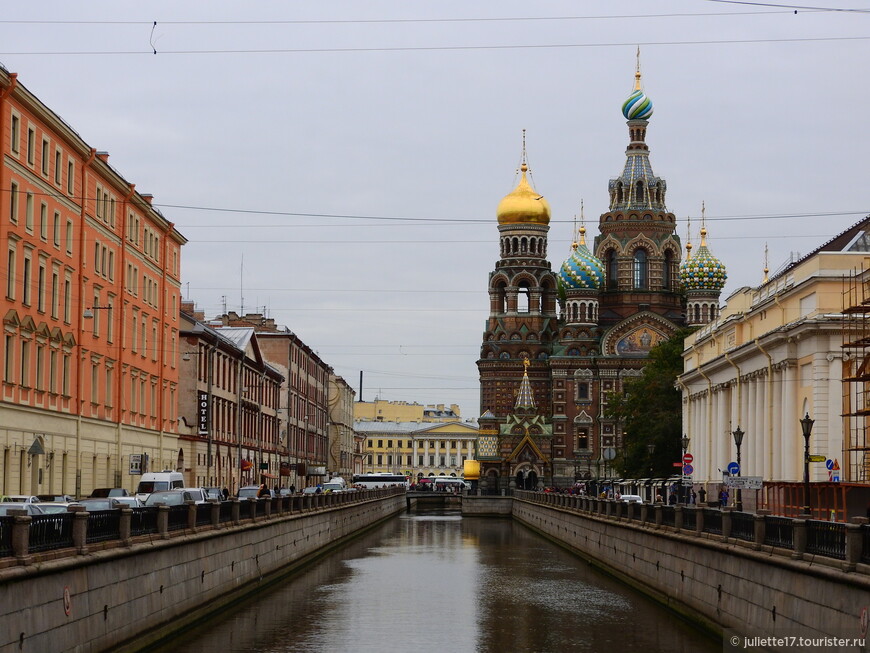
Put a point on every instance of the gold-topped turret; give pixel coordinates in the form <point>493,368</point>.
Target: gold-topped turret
<point>523,204</point>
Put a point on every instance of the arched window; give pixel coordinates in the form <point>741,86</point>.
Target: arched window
<point>668,270</point>
<point>523,298</point>
<point>619,192</point>
<point>612,269</point>
<point>638,192</point>
<point>641,271</point>
<point>500,297</point>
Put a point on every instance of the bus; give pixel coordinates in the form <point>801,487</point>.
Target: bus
<point>449,484</point>
<point>380,479</point>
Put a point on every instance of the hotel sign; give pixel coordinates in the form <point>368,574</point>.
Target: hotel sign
<point>202,413</point>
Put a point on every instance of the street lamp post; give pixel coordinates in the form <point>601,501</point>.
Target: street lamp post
<point>685,442</point>
<point>651,449</point>
<point>807,428</point>
<point>738,440</point>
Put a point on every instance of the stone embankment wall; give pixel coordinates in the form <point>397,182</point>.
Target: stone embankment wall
<point>719,583</point>
<point>123,598</point>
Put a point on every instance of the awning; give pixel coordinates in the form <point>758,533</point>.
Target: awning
<point>267,475</point>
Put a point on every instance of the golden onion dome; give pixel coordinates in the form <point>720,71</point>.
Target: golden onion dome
<point>523,204</point>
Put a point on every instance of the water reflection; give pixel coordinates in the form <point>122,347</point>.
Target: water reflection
<point>427,581</point>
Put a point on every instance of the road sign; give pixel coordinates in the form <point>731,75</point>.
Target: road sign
<point>744,482</point>
<point>829,463</point>
<point>688,469</point>
<point>677,464</point>
<point>733,468</point>
<point>609,453</point>
<point>863,620</point>
<point>688,458</point>
<point>817,458</point>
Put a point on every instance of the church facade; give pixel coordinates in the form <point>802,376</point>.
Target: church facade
<point>558,343</point>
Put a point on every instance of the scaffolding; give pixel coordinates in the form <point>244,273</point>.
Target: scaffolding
<point>856,374</point>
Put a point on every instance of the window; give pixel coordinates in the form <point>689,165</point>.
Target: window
<point>668,271</point>
<point>10,275</point>
<point>583,391</point>
<point>640,269</point>
<point>45,147</point>
<point>66,375</point>
<point>108,400</point>
<point>55,282</point>
<point>9,360</point>
<point>67,300</point>
<point>56,229</point>
<point>13,203</point>
<point>110,331</point>
<point>16,133</point>
<point>380,459</point>
<point>70,177</point>
<point>31,144</point>
<point>69,237</point>
<point>28,213</point>
<point>95,388</point>
<point>24,379</point>
<point>612,269</point>
<point>96,312</point>
<point>57,166</point>
<point>40,288</point>
<point>43,221</point>
<point>380,444</point>
<point>52,371</point>
<point>25,280</point>
<point>389,444</point>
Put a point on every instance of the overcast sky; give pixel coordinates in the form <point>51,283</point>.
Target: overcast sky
<point>339,163</point>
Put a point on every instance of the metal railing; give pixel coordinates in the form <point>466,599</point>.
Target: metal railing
<point>712,521</point>
<point>226,512</point>
<point>779,531</point>
<point>690,519</point>
<point>865,544</point>
<point>743,526</point>
<point>103,525</point>
<point>144,521</point>
<point>178,516</point>
<point>51,531</point>
<point>203,514</point>
<point>669,516</point>
<point>826,539</point>
<point>6,536</point>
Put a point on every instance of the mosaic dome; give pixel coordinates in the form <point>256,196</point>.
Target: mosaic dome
<point>582,270</point>
<point>703,271</point>
<point>638,106</point>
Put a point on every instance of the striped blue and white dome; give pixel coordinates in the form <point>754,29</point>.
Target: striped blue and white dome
<point>638,106</point>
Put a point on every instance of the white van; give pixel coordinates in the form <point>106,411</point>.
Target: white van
<point>158,481</point>
<point>335,484</point>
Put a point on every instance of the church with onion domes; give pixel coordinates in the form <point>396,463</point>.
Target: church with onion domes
<point>557,343</point>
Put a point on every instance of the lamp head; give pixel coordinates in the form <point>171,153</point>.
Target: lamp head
<point>651,448</point>
<point>738,436</point>
<point>807,426</point>
<point>685,441</point>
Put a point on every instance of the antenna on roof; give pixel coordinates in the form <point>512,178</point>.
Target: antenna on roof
<point>242,285</point>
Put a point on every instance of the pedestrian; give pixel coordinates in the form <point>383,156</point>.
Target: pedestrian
<point>263,491</point>
<point>226,493</point>
<point>702,496</point>
<point>659,496</point>
<point>694,496</point>
<point>723,498</point>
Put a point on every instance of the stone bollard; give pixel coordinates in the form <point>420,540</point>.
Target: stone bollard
<point>307,501</point>
<point>267,507</point>
<point>799,537</point>
<point>215,512</point>
<point>760,528</point>
<point>659,508</point>
<point>726,522</point>
<point>629,511</point>
<point>618,505</point>
<point>191,515</point>
<point>644,512</point>
<point>80,529</point>
<point>236,511</point>
<point>854,542</point>
<point>678,517</point>
<point>21,536</point>
<point>163,521</point>
<point>125,526</point>
<point>699,520</point>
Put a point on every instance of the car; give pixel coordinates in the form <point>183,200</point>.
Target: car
<point>20,498</point>
<point>97,504</point>
<point>103,492</point>
<point>199,494</point>
<point>214,493</point>
<point>169,497</point>
<point>54,498</point>
<point>30,508</point>
<point>127,502</point>
<point>54,507</point>
<point>631,498</point>
<point>250,492</point>
<point>312,490</point>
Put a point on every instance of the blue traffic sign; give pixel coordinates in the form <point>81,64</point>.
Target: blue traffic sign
<point>829,463</point>
<point>733,468</point>
<point>688,469</point>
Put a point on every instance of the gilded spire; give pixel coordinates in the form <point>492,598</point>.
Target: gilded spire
<point>637,71</point>
<point>703,225</point>
<point>582,224</point>
<point>766,269</point>
<point>688,237</point>
<point>525,398</point>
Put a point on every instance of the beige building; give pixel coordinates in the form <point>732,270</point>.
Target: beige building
<point>345,453</point>
<point>380,410</point>
<point>773,356</point>
<point>418,449</point>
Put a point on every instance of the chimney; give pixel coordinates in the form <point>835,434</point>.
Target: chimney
<point>148,197</point>
<point>103,156</point>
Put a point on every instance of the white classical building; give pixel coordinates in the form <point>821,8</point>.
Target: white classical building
<point>773,356</point>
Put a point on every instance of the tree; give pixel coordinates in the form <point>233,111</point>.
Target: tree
<point>650,412</point>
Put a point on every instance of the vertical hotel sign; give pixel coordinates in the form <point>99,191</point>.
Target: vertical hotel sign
<point>202,413</point>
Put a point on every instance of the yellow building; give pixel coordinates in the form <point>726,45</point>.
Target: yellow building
<point>402,411</point>
<point>773,356</point>
<point>416,449</point>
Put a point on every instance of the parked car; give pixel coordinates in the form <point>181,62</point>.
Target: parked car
<point>103,492</point>
<point>20,498</point>
<point>631,498</point>
<point>214,493</point>
<point>55,498</point>
<point>169,497</point>
<point>199,494</point>
<point>127,502</point>
<point>249,492</point>
<point>312,490</point>
<point>30,508</point>
<point>54,507</point>
<point>97,504</point>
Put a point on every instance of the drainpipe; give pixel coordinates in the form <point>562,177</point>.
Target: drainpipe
<point>769,407</point>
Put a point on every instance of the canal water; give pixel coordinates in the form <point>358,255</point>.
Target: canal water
<point>439,582</point>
